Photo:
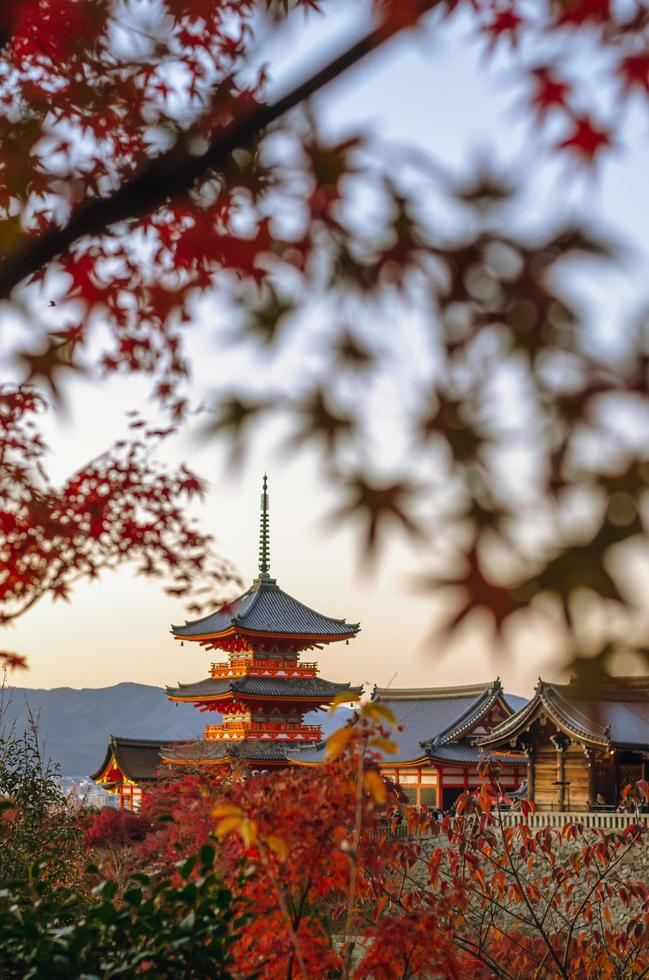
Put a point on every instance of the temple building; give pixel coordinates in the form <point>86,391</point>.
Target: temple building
<point>263,688</point>
<point>128,764</point>
<point>582,745</point>
<point>438,756</point>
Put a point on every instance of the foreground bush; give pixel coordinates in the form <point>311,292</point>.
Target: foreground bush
<point>172,932</point>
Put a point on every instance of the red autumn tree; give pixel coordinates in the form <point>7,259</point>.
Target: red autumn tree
<point>121,507</point>
<point>560,902</point>
<point>329,886</point>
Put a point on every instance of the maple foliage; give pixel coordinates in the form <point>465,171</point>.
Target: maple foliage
<point>333,889</point>
<point>145,167</point>
<point>559,901</point>
<point>120,507</point>
<point>305,850</point>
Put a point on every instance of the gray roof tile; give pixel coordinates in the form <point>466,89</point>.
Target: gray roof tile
<point>138,758</point>
<point>265,608</point>
<point>434,717</point>
<point>248,749</point>
<point>616,715</point>
<point>274,687</point>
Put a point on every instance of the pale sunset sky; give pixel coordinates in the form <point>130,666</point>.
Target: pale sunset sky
<point>439,95</point>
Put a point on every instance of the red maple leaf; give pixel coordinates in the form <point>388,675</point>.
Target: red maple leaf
<point>549,91</point>
<point>504,24</point>
<point>634,71</point>
<point>586,140</point>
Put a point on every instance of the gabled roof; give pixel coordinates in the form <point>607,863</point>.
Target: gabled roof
<point>288,688</point>
<point>265,609</point>
<point>436,717</point>
<point>138,759</point>
<point>614,714</point>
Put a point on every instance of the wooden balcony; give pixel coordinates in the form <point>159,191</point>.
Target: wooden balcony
<point>242,667</point>
<point>232,731</point>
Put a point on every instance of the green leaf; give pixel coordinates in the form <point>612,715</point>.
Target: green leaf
<point>133,896</point>
<point>188,867</point>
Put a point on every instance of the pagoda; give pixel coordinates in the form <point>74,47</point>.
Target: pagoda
<point>263,688</point>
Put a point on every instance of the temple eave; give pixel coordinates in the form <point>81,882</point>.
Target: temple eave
<point>263,635</point>
<point>238,696</point>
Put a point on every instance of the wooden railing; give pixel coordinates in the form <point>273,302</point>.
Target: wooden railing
<point>537,821</point>
<point>243,667</point>
<point>267,731</point>
<point>601,820</point>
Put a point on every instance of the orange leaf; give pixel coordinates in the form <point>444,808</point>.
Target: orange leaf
<point>278,846</point>
<point>227,825</point>
<point>337,742</point>
<point>375,785</point>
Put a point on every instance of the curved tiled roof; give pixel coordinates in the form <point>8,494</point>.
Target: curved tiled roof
<point>248,749</point>
<point>265,608</point>
<point>272,687</point>
<point>138,758</point>
<point>435,717</point>
<point>613,715</point>
<point>465,752</point>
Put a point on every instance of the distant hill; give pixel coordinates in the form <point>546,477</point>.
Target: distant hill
<point>74,725</point>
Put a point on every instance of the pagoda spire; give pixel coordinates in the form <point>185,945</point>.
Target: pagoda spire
<point>264,533</point>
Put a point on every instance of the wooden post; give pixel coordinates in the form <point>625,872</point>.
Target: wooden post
<point>560,745</point>
<point>590,762</point>
<point>528,749</point>
<point>440,788</point>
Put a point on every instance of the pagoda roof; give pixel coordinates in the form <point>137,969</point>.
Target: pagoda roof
<point>138,759</point>
<point>613,714</point>
<point>266,610</point>
<point>285,688</point>
<point>435,718</point>
<point>247,749</point>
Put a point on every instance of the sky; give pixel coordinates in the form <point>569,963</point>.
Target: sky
<point>426,91</point>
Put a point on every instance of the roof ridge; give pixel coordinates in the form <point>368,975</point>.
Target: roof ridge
<point>332,619</point>
<point>421,693</point>
<point>126,740</point>
<point>589,724</point>
<point>472,713</point>
<point>201,619</point>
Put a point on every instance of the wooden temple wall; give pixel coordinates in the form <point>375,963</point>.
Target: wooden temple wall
<point>576,777</point>
<point>545,776</point>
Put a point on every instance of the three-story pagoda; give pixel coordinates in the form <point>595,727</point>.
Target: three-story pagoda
<point>263,688</point>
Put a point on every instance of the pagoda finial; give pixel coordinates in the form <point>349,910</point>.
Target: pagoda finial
<point>264,533</point>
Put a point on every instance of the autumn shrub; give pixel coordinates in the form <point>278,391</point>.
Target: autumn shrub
<point>170,931</point>
<point>115,827</point>
<point>37,823</point>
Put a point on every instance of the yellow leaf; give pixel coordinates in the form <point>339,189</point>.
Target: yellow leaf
<point>248,831</point>
<point>278,846</point>
<point>379,712</point>
<point>375,785</point>
<point>336,743</point>
<point>384,744</point>
<point>227,810</point>
<point>227,825</point>
<point>346,697</point>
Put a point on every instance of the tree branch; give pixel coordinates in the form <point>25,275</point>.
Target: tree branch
<point>171,174</point>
